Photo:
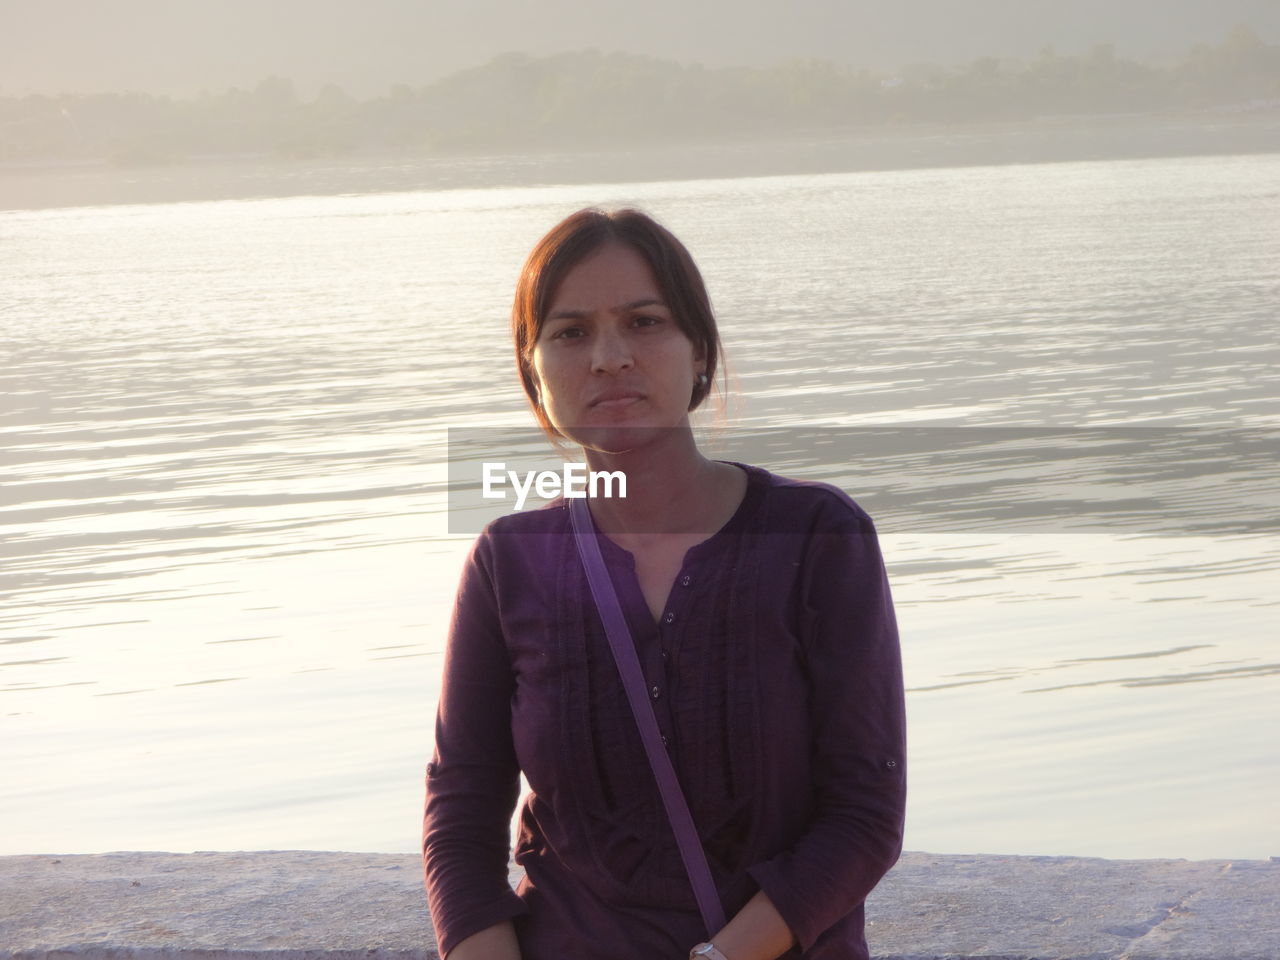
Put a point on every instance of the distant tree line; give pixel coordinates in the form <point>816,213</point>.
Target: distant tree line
<point>584,99</point>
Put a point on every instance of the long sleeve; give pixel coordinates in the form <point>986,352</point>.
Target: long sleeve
<point>858,720</point>
<point>473,780</point>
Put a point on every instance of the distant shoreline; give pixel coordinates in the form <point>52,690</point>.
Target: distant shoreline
<point>886,147</point>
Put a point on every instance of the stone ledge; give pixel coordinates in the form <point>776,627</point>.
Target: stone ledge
<point>299,905</point>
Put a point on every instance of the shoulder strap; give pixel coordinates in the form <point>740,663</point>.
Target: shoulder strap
<point>624,655</point>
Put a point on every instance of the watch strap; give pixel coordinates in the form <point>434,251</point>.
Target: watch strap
<point>708,950</point>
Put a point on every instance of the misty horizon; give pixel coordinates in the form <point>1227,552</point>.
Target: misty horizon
<point>589,99</point>
<point>77,47</point>
<point>904,71</point>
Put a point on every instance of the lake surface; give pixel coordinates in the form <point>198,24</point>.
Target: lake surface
<point>227,560</point>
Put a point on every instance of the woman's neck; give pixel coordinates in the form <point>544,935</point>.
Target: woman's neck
<point>671,489</point>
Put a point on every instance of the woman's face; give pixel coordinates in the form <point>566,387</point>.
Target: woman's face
<point>610,357</point>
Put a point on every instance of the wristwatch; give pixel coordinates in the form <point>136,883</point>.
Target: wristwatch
<point>707,951</point>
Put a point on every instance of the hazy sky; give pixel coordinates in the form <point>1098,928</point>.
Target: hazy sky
<point>180,46</point>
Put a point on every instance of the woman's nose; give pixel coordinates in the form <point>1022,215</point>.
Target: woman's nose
<point>611,353</point>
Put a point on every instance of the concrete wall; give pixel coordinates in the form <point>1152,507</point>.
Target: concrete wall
<point>343,906</point>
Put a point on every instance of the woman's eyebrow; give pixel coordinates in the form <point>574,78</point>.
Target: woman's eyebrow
<point>637,304</point>
<point>583,314</point>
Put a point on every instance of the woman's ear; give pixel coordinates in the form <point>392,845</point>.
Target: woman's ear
<point>700,355</point>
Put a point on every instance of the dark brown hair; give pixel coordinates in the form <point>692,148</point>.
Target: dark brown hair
<point>575,238</point>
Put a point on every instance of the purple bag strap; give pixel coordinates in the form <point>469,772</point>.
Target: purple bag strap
<point>624,655</point>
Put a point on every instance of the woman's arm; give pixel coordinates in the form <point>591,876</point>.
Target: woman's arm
<point>493,943</point>
<point>473,780</point>
<point>858,721</point>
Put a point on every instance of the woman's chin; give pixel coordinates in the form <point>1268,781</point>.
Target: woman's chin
<point>615,438</point>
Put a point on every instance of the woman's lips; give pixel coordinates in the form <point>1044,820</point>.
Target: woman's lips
<point>616,403</point>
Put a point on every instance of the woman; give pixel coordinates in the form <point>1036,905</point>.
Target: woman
<point>761,615</point>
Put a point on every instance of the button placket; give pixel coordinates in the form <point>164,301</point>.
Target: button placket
<point>665,629</point>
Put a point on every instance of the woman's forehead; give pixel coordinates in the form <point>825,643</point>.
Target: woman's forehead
<point>613,277</point>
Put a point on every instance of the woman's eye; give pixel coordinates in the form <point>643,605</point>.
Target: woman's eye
<point>568,333</point>
<point>646,321</point>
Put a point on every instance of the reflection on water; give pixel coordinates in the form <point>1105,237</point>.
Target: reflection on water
<point>227,554</point>
<point>1178,672</point>
<point>1262,670</point>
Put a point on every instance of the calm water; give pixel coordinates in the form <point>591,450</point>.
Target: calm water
<point>226,561</point>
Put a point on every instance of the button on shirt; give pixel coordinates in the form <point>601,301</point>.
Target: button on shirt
<point>776,681</point>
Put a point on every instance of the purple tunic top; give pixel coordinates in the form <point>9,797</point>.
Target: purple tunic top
<point>775,675</point>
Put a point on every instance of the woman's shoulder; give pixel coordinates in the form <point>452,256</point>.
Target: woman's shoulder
<point>551,518</point>
<point>525,536</point>
<point>806,505</point>
<point>515,551</point>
